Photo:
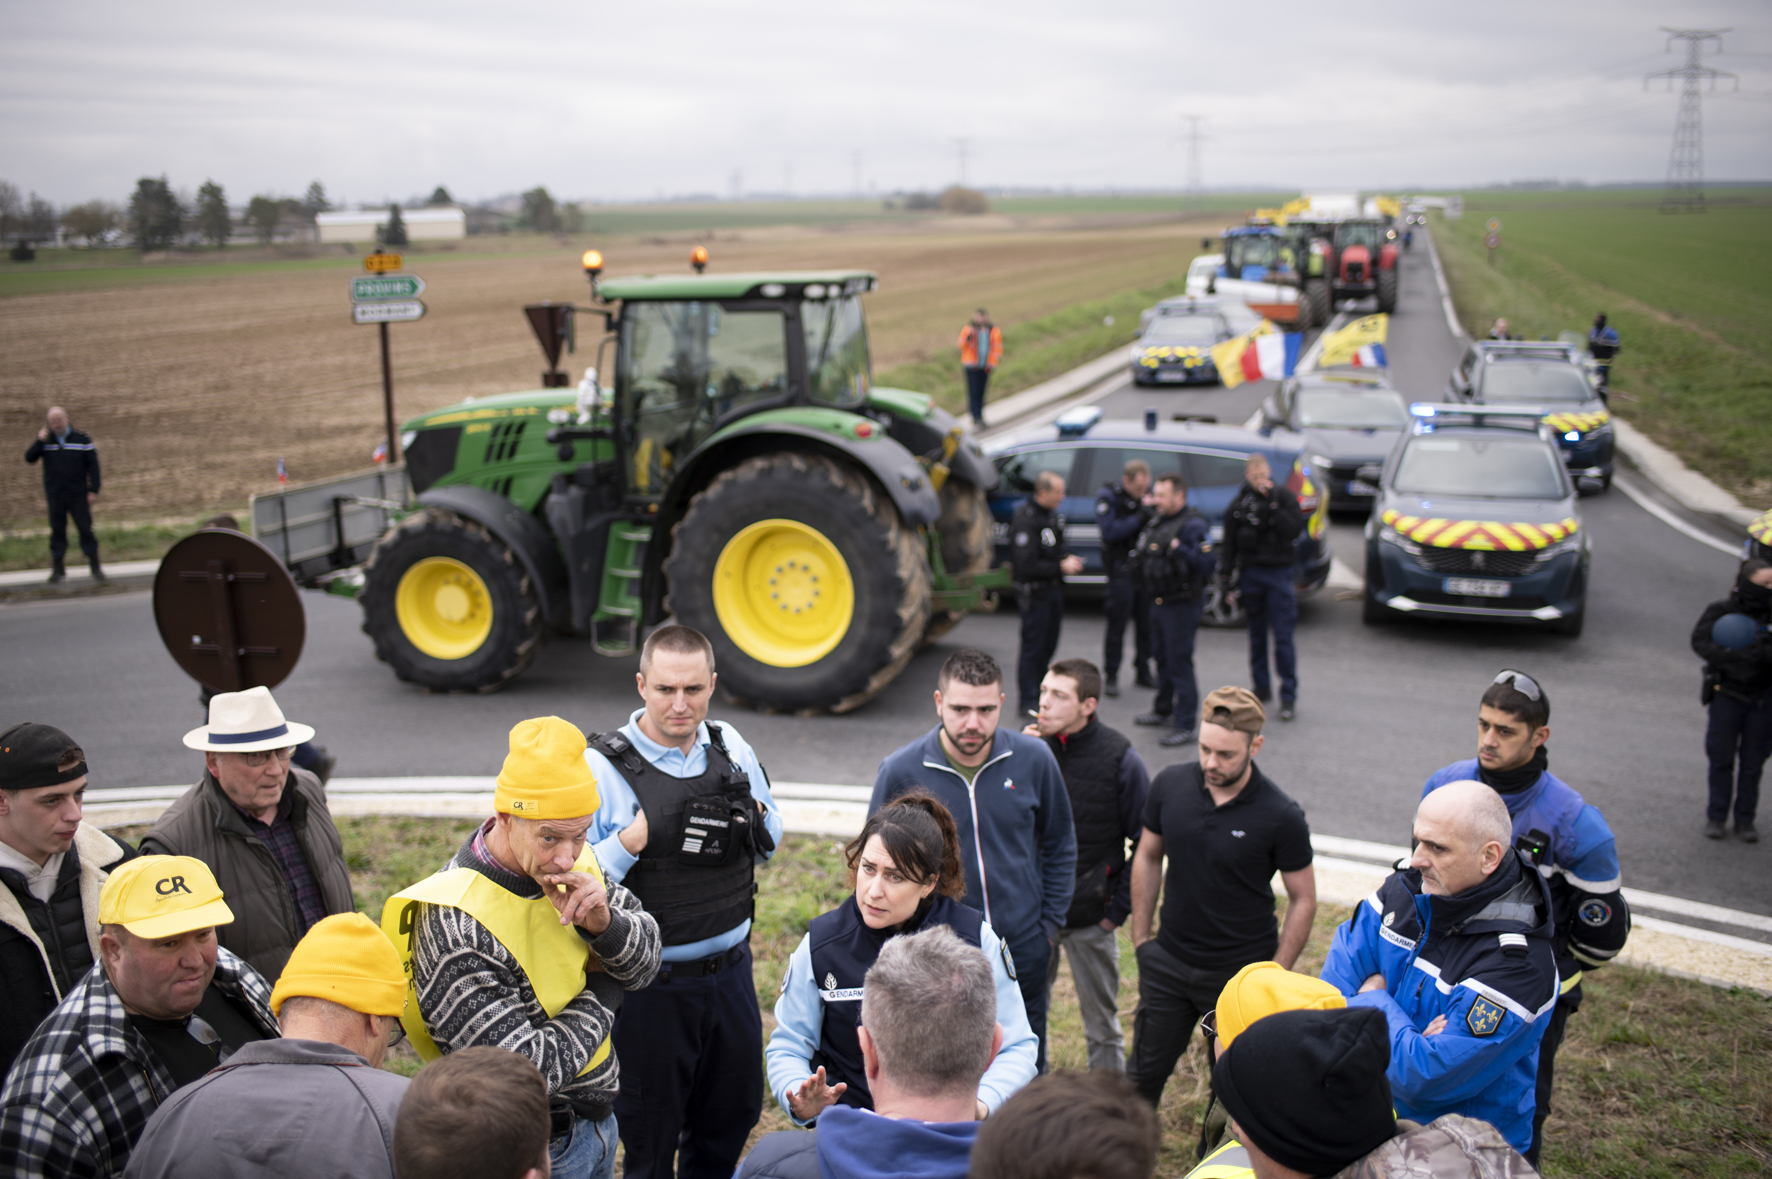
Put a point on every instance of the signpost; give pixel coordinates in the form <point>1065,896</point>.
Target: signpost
<point>388,298</point>
<point>1493,238</point>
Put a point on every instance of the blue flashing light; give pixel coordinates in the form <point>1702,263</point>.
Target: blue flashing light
<point>1074,423</point>
<point>1422,410</point>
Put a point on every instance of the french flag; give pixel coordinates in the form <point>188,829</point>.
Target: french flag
<point>1270,357</point>
<point>1371,356</point>
<point>282,475</point>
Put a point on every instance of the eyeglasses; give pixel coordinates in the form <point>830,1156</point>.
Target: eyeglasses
<point>259,757</point>
<point>1522,683</point>
<point>1209,1029</point>
<point>396,1033</point>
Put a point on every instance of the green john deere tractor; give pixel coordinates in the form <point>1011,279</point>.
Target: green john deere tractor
<point>741,474</point>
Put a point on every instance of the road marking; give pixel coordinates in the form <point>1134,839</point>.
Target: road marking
<point>1342,577</point>
<point>1671,520</point>
<point>1433,252</point>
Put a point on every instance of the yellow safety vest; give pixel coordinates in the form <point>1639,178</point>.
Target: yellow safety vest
<point>552,955</point>
<point>1229,1161</point>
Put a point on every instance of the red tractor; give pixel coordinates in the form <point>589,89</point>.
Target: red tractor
<point>1358,257</point>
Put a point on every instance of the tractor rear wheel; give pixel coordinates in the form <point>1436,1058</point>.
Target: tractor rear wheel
<point>1316,302</point>
<point>448,604</point>
<point>965,531</point>
<point>1387,290</point>
<point>802,573</point>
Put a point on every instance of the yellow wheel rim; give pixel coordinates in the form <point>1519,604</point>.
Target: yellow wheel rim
<point>783,593</point>
<point>444,608</point>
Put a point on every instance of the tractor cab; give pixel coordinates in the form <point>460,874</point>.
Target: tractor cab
<point>1259,253</point>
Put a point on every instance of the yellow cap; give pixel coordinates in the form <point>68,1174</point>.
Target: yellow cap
<point>545,775</point>
<point>1267,988</point>
<point>348,959</point>
<point>159,896</point>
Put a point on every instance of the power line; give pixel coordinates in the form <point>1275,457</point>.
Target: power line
<point>1685,163</point>
<point>962,147</point>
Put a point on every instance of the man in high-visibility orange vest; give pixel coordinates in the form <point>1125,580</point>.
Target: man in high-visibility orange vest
<point>979,361</point>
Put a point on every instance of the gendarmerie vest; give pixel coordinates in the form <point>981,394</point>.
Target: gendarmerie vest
<point>843,947</point>
<point>1090,762</point>
<point>1158,566</point>
<point>691,896</point>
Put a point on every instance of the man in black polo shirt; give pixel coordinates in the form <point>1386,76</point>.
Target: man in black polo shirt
<point>1226,830</point>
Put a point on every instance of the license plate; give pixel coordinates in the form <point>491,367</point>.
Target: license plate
<point>1355,487</point>
<point>1474,587</point>
<point>1172,375</point>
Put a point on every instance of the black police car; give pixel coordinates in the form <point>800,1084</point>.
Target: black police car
<point>1349,419</point>
<point>1088,451</point>
<point>1475,518</point>
<point>1554,374</point>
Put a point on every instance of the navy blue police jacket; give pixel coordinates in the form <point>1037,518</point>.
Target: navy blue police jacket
<point>1484,959</point>
<point>70,464</point>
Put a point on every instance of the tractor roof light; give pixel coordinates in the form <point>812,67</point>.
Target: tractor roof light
<point>593,261</point>
<point>698,258</point>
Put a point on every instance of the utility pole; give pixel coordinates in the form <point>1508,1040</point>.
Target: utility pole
<point>1685,163</point>
<point>1193,151</point>
<point>961,148</point>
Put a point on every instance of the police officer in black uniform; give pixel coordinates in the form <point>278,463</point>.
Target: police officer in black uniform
<point>1121,513</point>
<point>686,816</point>
<point>1261,527</point>
<point>70,484</point>
<point>1174,563</point>
<point>1040,561</point>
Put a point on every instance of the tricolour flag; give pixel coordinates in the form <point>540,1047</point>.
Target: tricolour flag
<point>380,454</point>
<point>1261,354</point>
<point>282,475</point>
<point>1339,347</point>
<point>1371,356</point>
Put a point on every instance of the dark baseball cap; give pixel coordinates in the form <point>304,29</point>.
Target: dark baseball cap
<point>1233,708</point>
<point>29,754</point>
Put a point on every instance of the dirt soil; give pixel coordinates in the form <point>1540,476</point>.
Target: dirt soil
<point>194,386</point>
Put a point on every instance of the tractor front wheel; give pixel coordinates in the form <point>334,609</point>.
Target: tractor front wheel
<point>1387,290</point>
<point>1316,302</point>
<point>805,578</point>
<point>448,604</point>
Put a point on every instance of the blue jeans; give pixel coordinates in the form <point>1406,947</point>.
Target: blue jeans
<point>976,379</point>
<point>586,1152</point>
<point>1270,600</point>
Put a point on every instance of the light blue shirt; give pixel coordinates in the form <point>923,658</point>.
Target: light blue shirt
<point>799,1028</point>
<point>620,806</point>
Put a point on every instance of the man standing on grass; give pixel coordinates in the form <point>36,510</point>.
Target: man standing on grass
<point>1107,783</point>
<point>1226,829</point>
<point>981,350</point>
<point>70,484</point>
<point>1013,816</point>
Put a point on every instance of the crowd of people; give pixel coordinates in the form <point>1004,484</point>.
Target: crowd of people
<point>577,979</point>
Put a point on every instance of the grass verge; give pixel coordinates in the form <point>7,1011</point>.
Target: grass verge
<point>1685,294</point>
<point>1039,349</point>
<point>1658,1077</point>
<point>116,542</point>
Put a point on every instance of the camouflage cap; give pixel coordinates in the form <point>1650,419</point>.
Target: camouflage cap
<point>1233,708</point>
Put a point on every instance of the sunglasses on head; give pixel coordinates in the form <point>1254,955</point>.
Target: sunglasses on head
<point>1522,683</point>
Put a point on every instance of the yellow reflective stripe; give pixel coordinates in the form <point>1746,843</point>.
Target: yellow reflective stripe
<point>1570,984</point>
<point>551,955</point>
<point>1506,536</point>
<point>1230,1161</point>
<point>1530,534</point>
<point>1451,534</point>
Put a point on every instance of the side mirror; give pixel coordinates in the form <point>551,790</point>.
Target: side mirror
<point>1370,473</point>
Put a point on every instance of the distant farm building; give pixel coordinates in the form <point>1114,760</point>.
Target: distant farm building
<point>422,224</point>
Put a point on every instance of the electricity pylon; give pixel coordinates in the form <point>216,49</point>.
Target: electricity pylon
<point>1685,164</point>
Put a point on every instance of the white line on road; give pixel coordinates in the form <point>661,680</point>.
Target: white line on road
<point>1623,484</point>
<point>1433,252</point>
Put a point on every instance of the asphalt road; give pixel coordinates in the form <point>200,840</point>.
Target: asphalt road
<point>1379,708</point>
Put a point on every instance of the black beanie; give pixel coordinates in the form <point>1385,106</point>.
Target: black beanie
<point>1308,1087</point>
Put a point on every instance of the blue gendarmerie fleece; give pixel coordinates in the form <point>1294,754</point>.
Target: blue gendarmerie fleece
<point>1023,836</point>
<point>861,1144</point>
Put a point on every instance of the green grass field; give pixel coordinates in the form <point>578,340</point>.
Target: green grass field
<point>1687,293</point>
<point>1659,1077</point>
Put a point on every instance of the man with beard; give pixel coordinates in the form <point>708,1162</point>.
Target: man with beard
<point>1009,803</point>
<point>1226,829</point>
<point>1564,836</point>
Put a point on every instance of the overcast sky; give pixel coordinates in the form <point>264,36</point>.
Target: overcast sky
<point>669,97</point>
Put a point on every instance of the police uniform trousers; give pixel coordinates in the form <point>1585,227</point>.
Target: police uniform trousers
<point>1173,627</point>
<point>61,506</point>
<point>1271,602</point>
<point>1125,603</point>
<point>1737,741</point>
<point>1042,615</point>
<point>1567,1005</point>
<point>690,1047</point>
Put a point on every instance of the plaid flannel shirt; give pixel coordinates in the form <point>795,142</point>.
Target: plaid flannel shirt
<point>284,844</point>
<point>83,1087</point>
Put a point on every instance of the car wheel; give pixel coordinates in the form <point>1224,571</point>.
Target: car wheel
<point>1571,624</point>
<point>1372,611</point>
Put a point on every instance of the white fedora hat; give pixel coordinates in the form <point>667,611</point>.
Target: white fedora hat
<point>246,722</point>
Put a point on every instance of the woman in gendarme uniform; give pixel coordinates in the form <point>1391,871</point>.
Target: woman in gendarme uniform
<point>905,869</point>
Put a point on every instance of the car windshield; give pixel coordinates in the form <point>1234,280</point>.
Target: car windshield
<point>1351,409</point>
<point>1182,329</point>
<point>1511,468</point>
<point>1513,382</point>
<point>837,350</point>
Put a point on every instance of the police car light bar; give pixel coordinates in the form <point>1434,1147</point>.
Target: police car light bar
<point>1516,416</point>
<point>1074,423</point>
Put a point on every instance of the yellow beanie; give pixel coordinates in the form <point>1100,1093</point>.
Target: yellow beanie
<point>1267,988</point>
<point>545,775</point>
<point>347,959</point>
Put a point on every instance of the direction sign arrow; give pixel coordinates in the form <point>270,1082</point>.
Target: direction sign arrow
<point>403,312</point>
<point>391,286</point>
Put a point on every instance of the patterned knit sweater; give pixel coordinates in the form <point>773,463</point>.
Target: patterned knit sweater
<point>472,991</point>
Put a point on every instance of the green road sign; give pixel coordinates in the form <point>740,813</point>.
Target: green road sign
<point>402,312</point>
<point>387,286</point>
